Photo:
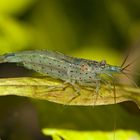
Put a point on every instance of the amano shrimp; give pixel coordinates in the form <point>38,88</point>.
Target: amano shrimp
<point>76,71</point>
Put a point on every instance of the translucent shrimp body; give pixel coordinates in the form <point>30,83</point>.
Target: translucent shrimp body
<point>57,65</point>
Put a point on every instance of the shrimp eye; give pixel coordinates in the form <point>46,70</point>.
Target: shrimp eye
<point>103,63</point>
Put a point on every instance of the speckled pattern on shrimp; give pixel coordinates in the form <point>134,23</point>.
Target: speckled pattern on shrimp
<point>57,65</point>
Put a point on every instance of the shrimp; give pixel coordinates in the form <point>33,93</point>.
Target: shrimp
<point>76,71</point>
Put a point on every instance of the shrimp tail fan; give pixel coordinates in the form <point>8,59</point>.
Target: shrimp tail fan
<point>10,57</point>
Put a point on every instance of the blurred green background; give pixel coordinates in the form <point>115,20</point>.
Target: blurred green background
<point>83,28</point>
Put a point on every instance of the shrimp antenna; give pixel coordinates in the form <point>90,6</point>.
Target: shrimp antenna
<point>132,81</point>
<point>129,64</point>
<point>126,66</point>
<point>127,55</point>
<point>114,114</point>
<point>129,72</point>
<point>124,60</point>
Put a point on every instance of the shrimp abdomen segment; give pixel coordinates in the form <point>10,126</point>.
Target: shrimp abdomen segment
<point>56,65</point>
<point>45,62</point>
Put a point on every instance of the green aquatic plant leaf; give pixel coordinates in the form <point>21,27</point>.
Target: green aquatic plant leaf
<point>56,91</point>
<point>59,134</point>
<point>14,6</point>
